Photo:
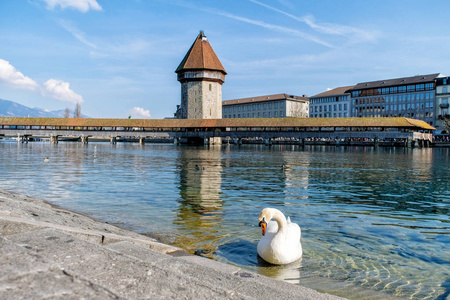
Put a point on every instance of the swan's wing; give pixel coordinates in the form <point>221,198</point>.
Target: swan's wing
<point>294,232</point>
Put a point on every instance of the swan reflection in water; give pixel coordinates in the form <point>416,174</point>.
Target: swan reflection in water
<point>289,273</point>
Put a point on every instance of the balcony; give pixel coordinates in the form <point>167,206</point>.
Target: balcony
<point>443,105</point>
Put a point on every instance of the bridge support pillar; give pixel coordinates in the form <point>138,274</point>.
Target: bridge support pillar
<point>53,139</point>
<point>113,140</point>
<point>268,142</point>
<point>176,141</point>
<point>213,141</point>
<point>408,143</point>
<point>301,142</point>
<point>141,140</point>
<point>84,139</point>
<point>24,139</point>
<point>375,142</point>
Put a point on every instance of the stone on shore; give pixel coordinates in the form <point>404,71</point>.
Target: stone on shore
<point>51,253</point>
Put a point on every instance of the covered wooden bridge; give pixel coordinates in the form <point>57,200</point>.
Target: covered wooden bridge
<point>213,131</point>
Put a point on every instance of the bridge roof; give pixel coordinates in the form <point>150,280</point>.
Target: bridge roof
<point>221,123</point>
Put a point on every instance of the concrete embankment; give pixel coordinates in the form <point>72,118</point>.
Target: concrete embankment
<point>51,253</point>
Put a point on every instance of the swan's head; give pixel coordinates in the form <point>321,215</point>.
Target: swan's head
<point>264,217</point>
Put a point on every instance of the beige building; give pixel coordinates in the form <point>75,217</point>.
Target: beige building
<point>270,106</point>
<point>201,75</point>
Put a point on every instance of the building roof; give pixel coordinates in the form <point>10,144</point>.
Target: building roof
<point>207,123</point>
<point>397,81</point>
<point>274,97</point>
<point>334,92</point>
<point>201,56</point>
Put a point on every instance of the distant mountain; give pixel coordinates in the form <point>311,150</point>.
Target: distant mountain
<point>12,109</point>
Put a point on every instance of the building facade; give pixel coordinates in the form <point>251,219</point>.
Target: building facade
<point>442,104</point>
<point>201,75</point>
<point>334,103</point>
<point>411,97</point>
<point>270,106</point>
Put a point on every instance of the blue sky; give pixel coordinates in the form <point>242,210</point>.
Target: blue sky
<point>118,57</point>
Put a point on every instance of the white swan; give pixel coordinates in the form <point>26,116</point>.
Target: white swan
<point>280,243</point>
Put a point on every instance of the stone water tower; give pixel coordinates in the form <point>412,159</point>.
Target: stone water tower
<point>201,76</point>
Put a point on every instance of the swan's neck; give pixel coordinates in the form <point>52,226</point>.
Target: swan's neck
<point>281,220</point>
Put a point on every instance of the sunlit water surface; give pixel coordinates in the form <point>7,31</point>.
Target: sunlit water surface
<point>375,222</point>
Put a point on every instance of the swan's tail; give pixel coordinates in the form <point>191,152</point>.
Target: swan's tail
<point>288,219</point>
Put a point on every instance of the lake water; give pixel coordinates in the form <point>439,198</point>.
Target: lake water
<point>375,221</point>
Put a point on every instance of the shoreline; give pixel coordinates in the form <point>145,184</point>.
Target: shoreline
<point>49,251</point>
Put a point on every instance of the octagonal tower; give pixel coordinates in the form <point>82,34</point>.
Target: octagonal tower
<point>201,75</point>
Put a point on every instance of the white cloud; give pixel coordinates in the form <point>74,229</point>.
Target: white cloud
<point>274,27</point>
<point>278,28</point>
<point>327,28</point>
<point>60,90</point>
<point>81,5</point>
<point>11,77</point>
<point>78,34</point>
<point>139,113</point>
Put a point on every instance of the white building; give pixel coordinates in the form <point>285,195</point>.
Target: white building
<point>269,106</point>
<point>334,103</point>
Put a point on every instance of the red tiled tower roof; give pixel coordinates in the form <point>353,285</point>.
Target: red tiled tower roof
<point>201,56</point>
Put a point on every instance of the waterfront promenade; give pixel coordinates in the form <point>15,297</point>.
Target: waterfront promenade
<point>51,253</point>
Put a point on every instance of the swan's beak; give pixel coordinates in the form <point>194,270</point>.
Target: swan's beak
<point>263,226</point>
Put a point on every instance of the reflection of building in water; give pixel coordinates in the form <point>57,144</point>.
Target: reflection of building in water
<point>296,174</point>
<point>200,206</point>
